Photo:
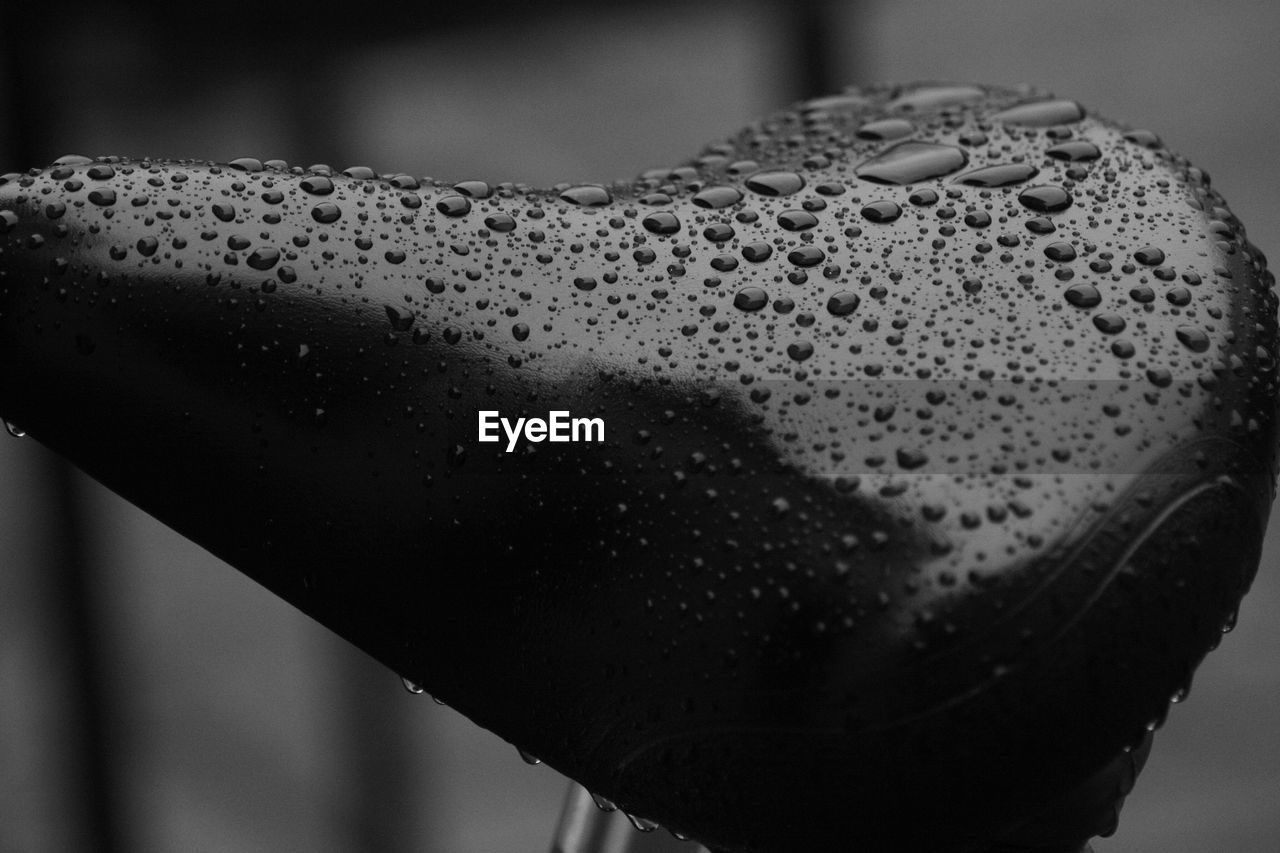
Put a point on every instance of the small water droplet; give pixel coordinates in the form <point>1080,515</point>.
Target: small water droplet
<point>412,687</point>
<point>528,757</point>
<point>640,823</point>
<point>603,804</point>
<point>14,430</point>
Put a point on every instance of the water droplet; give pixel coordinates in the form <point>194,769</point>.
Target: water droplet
<point>326,212</point>
<point>528,757</point>
<point>500,222</point>
<point>14,430</point>
<point>935,97</point>
<point>1060,252</point>
<point>247,164</point>
<point>717,197</point>
<point>1149,255</point>
<point>1193,338</point>
<point>415,689</point>
<point>263,259</point>
<point>360,173</point>
<point>640,823</point>
<point>147,246</point>
<point>923,198</point>
<point>1083,296</point>
<point>8,219</point>
<point>757,252</point>
<point>800,350</point>
<point>886,129</point>
<point>1109,324</point>
<point>719,232</point>
<point>844,303</point>
<point>103,197</point>
<point>603,804</point>
<point>1145,138</point>
<point>1003,175</point>
<point>1074,151</point>
<point>775,183</point>
<point>317,185</point>
<point>806,256</point>
<point>587,195</point>
<point>224,212</point>
<point>1045,198</point>
<point>797,220</point>
<point>1041,113</point>
<point>750,299</point>
<point>910,458</point>
<point>911,162</point>
<point>977,219</point>
<point>662,222</point>
<point>520,331</point>
<point>474,189</point>
<point>401,319</point>
<point>454,205</point>
<point>881,211</point>
<point>584,282</point>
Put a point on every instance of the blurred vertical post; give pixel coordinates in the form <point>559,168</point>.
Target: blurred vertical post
<point>68,534</point>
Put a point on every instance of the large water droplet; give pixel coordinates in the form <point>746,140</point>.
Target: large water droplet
<point>1193,338</point>
<point>1074,150</point>
<point>750,299</point>
<point>881,211</point>
<point>886,129</point>
<point>935,97</point>
<point>317,185</point>
<point>1046,198</point>
<point>528,757</point>
<point>326,212</point>
<point>14,430</point>
<point>775,183</point>
<point>663,222</point>
<point>1002,175</point>
<point>717,197</point>
<point>587,195</point>
<point>1042,113</point>
<point>910,162</point>
<point>412,687</point>
<point>1083,296</point>
<point>843,303</point>
<point>800,350</point>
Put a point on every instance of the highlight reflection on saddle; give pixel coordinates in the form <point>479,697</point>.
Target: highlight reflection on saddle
<point>938,439</point>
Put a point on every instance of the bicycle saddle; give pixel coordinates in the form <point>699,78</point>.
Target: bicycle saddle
<point>884,471</point>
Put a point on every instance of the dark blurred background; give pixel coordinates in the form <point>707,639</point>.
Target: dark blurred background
<point>153,699</point>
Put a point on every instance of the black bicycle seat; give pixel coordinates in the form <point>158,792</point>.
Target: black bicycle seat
<point>918,443</point>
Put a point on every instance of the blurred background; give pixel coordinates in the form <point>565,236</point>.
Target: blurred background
<point>153,699</point>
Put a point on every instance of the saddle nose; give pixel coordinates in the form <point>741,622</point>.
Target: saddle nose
<point>872,481</point>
